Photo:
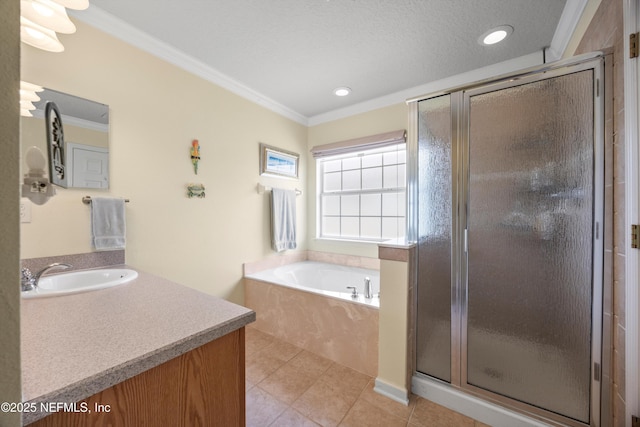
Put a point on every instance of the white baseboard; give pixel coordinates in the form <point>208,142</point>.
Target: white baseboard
<point>392,392</point>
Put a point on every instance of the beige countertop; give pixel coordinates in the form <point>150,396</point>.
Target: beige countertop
<point>77,345</point>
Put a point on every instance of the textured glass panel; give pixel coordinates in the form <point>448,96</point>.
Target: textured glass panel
<point>351,163</point>
<point>390,176</point>
<point>350,205</point>
<point>390,204</point>
<point>370,205</point>
<point>433,327</point>
<point>530,243</point>
<point>330,205</point>
<point>351,180</point>
<point>371,160</point>
<point>371,178</point>
<point>332,181</point>
<point>332,165</point>
<point>389,228</point>
<point>350,227</point>
<point>331,226</point>
<point>370,228</point>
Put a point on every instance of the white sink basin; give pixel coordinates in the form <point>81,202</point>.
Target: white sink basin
<point>80,281</point>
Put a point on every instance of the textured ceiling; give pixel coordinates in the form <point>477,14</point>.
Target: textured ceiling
<point>295,52</point>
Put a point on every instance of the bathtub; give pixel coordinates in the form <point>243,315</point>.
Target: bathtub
<point>325,279</point>
<point>308,304</point>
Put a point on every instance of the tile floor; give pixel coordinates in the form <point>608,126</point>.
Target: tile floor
<point>289,386</point>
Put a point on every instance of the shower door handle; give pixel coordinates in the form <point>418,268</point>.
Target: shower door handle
<point>465,240</point>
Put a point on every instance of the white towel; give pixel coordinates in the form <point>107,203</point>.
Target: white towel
<point>283,219</point>
<point>108,224</point>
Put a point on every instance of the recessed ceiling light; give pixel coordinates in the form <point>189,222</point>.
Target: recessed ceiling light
<point>342,91</point>
<point>495,35</point>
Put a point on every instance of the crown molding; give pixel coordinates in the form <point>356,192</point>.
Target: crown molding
<point>569,19</point>
<point>401,97</point>
<point>104,21</point>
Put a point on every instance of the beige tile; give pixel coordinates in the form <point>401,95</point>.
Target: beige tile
<point>262,408</point>
<point>281,350</point>
<point>429,414</point>
<point>259,366</point>
<point>479,424</point>
<point>293,418</point>
<point>366,414</point>
<point>325,403</point>
<point>311,363</point>
<point>288,383</point>
<point>351,382</point>
<point>256,340</point>
<point>379,401</point>
<point>330,398</point>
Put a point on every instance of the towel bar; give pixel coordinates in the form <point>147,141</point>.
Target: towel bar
<point>87,200</point>
<point>261,189</point>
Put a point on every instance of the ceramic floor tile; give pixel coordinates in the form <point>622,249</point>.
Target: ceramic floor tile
<point>259,366</point>
<point>256,340</point>
<point>394,408</point>
<point>429,414</point>
<point>348,380</point>
<point>281,350</point>
<point>325,402</point>
<point>293,418</point>
<point>363,413</point>
<point>262,408</point>
<point>288,382</point>
<point>310,363</point>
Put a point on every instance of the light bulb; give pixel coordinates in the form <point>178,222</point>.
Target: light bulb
<point>48,14</point>
<point>35,159</point>
<point>38,36</point>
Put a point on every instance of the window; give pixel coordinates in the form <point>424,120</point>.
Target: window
<point>362,194</point>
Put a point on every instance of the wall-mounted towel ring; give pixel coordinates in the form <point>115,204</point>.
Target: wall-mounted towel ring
<point>87,200</point>
<point>261,189</point>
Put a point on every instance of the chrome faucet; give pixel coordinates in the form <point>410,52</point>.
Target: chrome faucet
<point>368,289</point>
<point>354,291</point>
<point>29,282</point>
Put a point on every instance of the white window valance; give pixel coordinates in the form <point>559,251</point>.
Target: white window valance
<point>359,144</point>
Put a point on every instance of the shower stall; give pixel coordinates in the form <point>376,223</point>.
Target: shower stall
<point>507,191</point>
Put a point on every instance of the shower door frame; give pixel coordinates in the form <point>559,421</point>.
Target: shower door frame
<point>459,98</point>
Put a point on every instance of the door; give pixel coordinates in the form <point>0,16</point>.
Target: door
<point>88,166</point>
<point>509,214</point>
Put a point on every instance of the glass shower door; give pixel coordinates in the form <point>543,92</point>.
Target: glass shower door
<point>530,217</point>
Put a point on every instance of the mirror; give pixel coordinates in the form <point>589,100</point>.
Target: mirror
<point>75,132</point>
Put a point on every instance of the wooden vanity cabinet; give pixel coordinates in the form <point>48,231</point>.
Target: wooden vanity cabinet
<point>203,387</point>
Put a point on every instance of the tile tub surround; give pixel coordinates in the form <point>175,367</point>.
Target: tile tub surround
<point>341,331</point>
<point>298,256</point>
<point>77,345</point>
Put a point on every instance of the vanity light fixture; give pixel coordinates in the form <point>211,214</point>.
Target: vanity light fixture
<point>38,36</point>
<point>48,14</point>
<point>41,19</point>
<point>27,97</point>
<point>495,35</point>
<point>342,91</point>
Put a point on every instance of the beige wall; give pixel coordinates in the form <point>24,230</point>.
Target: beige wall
<point>156,109</point>
<point>386,119</point>
<point>10,389</point>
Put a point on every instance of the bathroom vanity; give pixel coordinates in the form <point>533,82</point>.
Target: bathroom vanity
<point>148,352</point>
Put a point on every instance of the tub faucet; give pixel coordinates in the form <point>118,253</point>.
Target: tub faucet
<point>368,289</point>
<point>29,281</point>
<point>354,291</point>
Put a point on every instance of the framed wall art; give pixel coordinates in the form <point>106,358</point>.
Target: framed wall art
<point>277,162</point>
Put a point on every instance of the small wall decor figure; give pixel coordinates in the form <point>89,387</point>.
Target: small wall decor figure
<point>195,190</point>
<point>195,154</point>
